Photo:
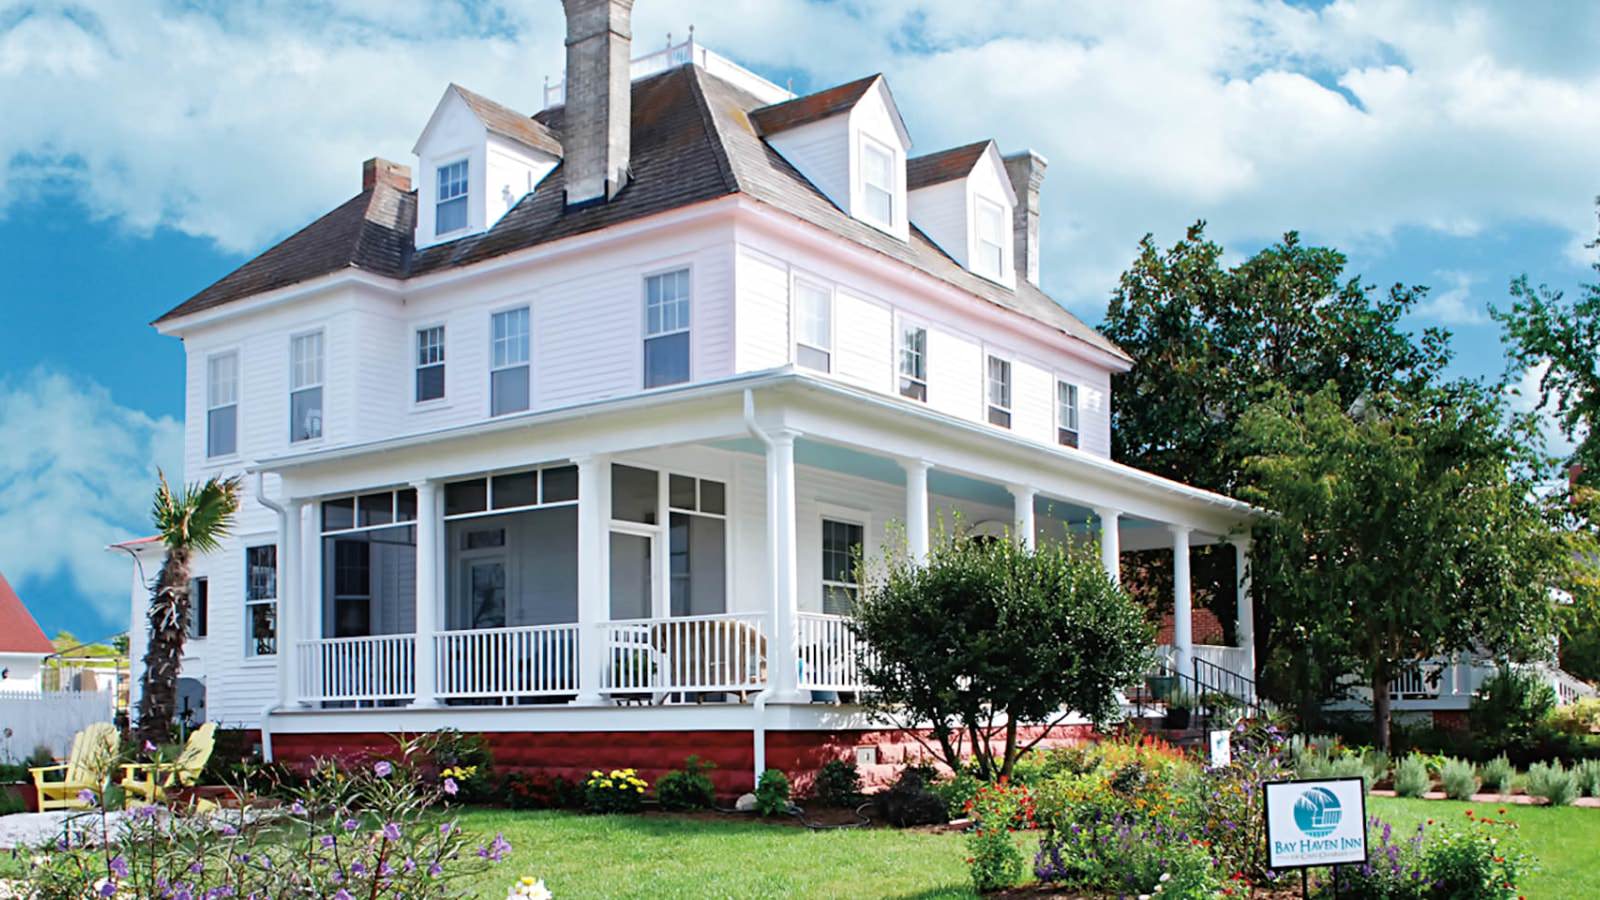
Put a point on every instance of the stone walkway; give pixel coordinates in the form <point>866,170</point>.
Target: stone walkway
<point>25,830</point>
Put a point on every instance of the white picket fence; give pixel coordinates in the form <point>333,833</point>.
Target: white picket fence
<point>48,719</point>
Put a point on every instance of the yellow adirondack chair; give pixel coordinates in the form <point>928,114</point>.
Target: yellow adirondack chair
<point>149,782</point>
<point>94,750</point>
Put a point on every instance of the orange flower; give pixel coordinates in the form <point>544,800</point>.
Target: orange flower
<point>1469,813</point>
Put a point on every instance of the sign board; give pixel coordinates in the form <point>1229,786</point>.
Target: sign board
<point>1316,822</point>
<point>1221,748</point>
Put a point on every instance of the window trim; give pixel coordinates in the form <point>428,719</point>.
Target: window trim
<point>321,385</point>
<point>645,336</point>
<point>795,343</point>
<point>238,394</point>
<point>255,543</point>
<point>462,158</point>
<point>901,324</point>
<point>868,142</point>
<point>828,512</point>
<point>979,204</point>
<point>989,405</point>
<point>1077,412</point>
<point>491,368</point>
<point>443,400</point>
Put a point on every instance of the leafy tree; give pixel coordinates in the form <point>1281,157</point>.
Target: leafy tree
<point>987,636</point>
<point>1406,528</point>
<point>193,520</point>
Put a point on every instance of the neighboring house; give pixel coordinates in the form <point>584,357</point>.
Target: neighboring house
<point>571,439</point>
<point>23,646</point>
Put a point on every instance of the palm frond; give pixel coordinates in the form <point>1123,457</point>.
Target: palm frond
<point>199,516</point>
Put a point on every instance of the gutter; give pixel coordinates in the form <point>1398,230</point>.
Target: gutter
<point>759,703</point>
<point>285,670</point>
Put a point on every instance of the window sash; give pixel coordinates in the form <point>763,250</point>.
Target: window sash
<point>222,431</point>
<point>877,181</point>
<point>666,303</point>
<point>1067,405</point>
<point>305,414</point>
<point>814,316</point>
<point>450,202</point>
<point>991,237</point>
<point>222,380</point>
<point>305,361</point>
<point>199,607</point>
<point>1000,383</point>
<point>509,343</point>
<point>913,366</point>
<point>452,180</point>
<point>841,541</point>
<point>261,600</point>
<point>666,359</point>
<point>430,364</point>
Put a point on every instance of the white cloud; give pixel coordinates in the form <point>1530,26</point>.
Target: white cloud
<point>1451,301</point>
<point>1354,121</point>
<point>77,472</point>
<point>1524,398</point>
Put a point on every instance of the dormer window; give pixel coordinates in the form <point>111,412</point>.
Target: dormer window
<point>877,182</point>
<point>990,261</point>
<point>451,212</point>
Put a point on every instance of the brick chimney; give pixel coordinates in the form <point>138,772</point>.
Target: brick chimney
<point>378,170</point>
<point>595,136</point>
<point>1027,174</point>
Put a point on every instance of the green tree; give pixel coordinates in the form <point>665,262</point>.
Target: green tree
<point>193,520</point>
<point>1405,528</point>
<point>988,636</point>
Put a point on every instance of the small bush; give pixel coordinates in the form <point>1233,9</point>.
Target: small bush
<point>1510,705</point>
<point>1554,782</point>
<point>617,791</point>
<point>1481,860</point>
<point>1411,777</point>
<point>772,793</point>
<point>1497,774</point>
<point>956,791</point>
<point>910,802</point>
<point>1459,778</point>
<point>838,783</point>
<point>1588,773</point>
<point>1351,767</point>
<point>690,788</point>
<point>997,810</point>
<point>1580,718</point>
<point>541,791</point>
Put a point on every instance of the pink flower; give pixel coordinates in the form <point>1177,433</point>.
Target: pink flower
<point>450,786</point>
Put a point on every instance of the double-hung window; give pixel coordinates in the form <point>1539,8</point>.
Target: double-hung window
<point>1066,414</point>
<point>991,235</point>
<point>450,211</point>
<point>999,391</point>
<point>813,333</point>
<point>914,362</point>
<point>508,364</point>
<point>877,182</point>
<point>222,404</point>
<point>841,548</point>
<point>305,387</point>
<point>666,328</point>
<point>430,363</point>
<point>261,600</point>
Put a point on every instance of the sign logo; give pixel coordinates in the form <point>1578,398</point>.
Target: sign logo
<point>1317,812</point>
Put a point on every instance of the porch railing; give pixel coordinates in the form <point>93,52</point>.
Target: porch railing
<point>726,652</point>
<point>518,661</point>
<point>382,667</point>
<point>830,653</point>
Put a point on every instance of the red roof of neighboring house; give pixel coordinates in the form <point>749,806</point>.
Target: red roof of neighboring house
<point>19,633</point>
<point>1204,628</point>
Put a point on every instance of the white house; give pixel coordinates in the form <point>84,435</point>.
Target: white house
<point>569,440</point>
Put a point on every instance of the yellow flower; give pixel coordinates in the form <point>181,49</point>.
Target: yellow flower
<point>595,774</point>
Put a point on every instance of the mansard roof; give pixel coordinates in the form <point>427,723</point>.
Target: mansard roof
<point>693,141</point>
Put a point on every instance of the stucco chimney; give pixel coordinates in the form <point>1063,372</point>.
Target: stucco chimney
<point>1027,174</point>
<point>595,135</point>
<point>378,170</point>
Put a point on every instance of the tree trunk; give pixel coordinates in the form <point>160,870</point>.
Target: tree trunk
<point>169,626</point>
<point>1380,709</point>
<point>1011,748</point>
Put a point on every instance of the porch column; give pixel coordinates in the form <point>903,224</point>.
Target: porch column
<point>430,533</point>
<point>916,508</point>
<point>1110,542</point>
<point>1245,610</point>
<point>1022,517</point>
<point>1182,615</point>
<point>593,600</point>
<point>784,643</point>
<point>291,603</point>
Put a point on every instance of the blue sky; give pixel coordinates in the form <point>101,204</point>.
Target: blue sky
<point>150,147</point>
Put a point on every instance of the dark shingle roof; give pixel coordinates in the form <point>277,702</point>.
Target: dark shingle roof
<point>693,140</point>
<point>505,121</point>
<point>801,110</point>
<point>945,165</point>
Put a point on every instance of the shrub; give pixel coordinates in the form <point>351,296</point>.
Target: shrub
<point>838,783</point>
<point>1510,705</point>
<point>1497,774</point>
<point>1351,767</point>
<point>772,793</point>
<point>690,788</point>
<point>467,760</point>
<point>1479,861</point>
<point>1411,777</point>
<point>1588,774</point>
<point>1459,778</point>
<point>1553,782</point>
<point>956,791</point>
<point>997,811</point>
<point>617,791</point>
<point>541,791</point>
<point>1580,718</point>
<point>909,802</point>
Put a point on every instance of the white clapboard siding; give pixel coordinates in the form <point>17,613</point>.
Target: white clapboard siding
<point>863,340</point>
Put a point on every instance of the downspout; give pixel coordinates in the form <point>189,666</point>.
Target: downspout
<point>759,703</point>
<point>283,644</point>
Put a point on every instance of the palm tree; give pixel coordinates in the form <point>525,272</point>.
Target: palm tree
<point>188,522</point>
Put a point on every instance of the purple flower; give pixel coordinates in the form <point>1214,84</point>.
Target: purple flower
<point>108,889</point>
<point>383,769</point>
<point>229,830</point>
<point>450,786</point>
<point>86,796</point>
<point>195,868</point>
<point>327,841</point>
<point>343,895</point>
<point>409,866</point>
<point>351,824</point>
<point>149,747</point>
<point>358,869</point>
<point>391,831</point>
<point>297,808</point>
<point>118,866</point>
<point>446,828</point>
<point>435,870</point>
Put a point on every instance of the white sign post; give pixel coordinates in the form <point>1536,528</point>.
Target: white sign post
<point>1316,822</point>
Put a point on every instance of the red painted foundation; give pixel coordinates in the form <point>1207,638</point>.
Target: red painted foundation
<point>573,755</point>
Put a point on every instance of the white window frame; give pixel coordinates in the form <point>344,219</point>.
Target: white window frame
<point>901,326</point>
<point>465,196</point>
<point>417,364</point>
<point>1077,412</point>
<point>527,361</point>
<point>1009,407</point>
<point>644,323</point>
<point>250,602</point>
<point>826,287</point>
<point>870,144</point>
<point>827,512</point>
<point>212,406</point>
<point>319,384</point>
<point>980,241</point>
